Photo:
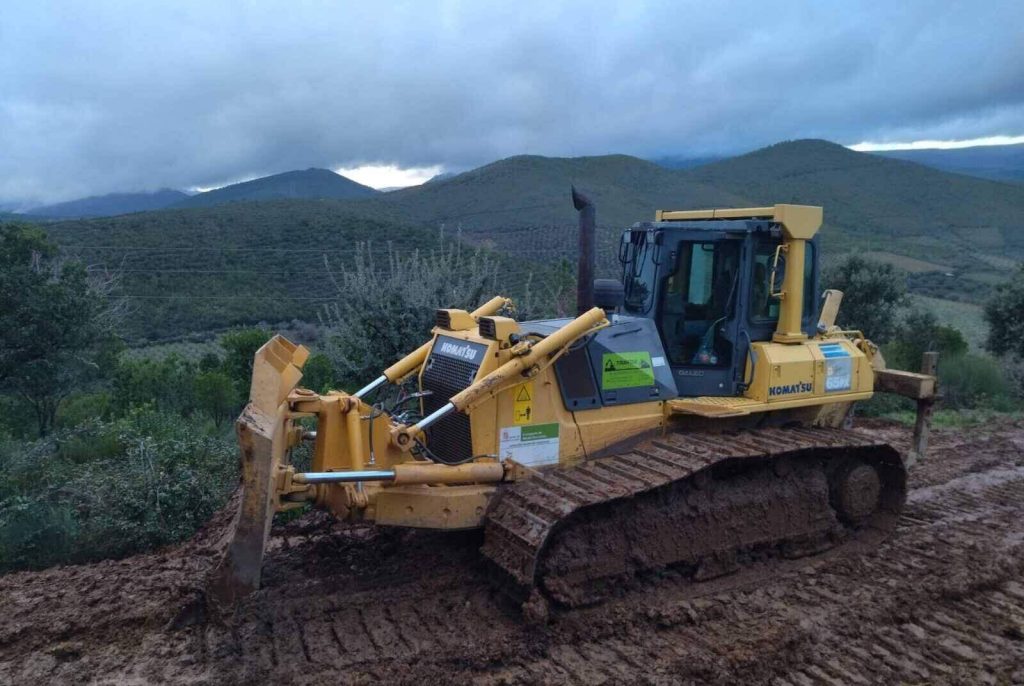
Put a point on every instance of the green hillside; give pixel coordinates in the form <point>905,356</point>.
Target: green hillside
<point>529,190</point>
<point>881,203</point>
<point>308,184</point>
<point>111,204</point>
<point>240,262</point>
<point>210,268</point>
<point>894,208</point>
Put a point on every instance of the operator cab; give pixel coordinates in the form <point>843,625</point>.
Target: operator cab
<point>707,284</point>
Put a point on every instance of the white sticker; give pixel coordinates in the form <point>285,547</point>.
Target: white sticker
<point>532,445</point>
<point>657,361</point>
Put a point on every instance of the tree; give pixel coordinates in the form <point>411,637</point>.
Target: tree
<point>1005,316</point>
<point>215,395</point>
<point>54,335</point>
<point>318,373</point>
<point>240,348</point>
<point>921,332</point>
<point>874,296</point>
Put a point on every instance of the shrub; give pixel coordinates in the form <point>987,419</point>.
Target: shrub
<point>318,373</point>
<point>240,348</point>
<point>921,332</point>
<point>166,384</point>
<point>975,381</point>
<point>215,395</point>
<point>383,312</point>
<point>1004,313</point>
<point>110,489</point>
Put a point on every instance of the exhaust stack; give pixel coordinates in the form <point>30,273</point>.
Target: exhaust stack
<point>587,252</point>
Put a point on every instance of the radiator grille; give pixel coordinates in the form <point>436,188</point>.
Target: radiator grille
<point>449,438</point>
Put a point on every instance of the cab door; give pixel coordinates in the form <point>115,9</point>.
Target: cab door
<point>697,311</point>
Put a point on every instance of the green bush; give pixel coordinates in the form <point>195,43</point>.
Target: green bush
<point>1003,312</point>
<point>111,489</point>
<point>318,373</point>
<point>240,347</point>
<point>165,384</point>
<point>83,407</point>
<point>919,333</point>
<point>215,395</point>
<point>975,382</point>
<point>383,312</point>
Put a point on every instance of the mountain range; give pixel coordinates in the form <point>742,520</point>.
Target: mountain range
<point>243,261</point>
<point>999,162</point>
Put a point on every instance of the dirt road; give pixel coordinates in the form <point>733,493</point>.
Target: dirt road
<point>941,602</point>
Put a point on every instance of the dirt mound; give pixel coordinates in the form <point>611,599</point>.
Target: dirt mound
<point>941,601</point>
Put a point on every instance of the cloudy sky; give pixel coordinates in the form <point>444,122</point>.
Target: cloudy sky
<point>101,96</point>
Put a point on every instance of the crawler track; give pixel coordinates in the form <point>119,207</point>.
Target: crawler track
<point>705,501</point>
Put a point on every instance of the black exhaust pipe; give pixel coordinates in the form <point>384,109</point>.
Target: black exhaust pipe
<point>587,251</point>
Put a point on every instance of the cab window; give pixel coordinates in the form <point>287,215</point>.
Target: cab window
<point>696,299</point>
<point>764,309</point>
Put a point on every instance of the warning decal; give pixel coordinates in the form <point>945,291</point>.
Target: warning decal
<point>626,370</point>
<point>530,445</point>
<point>522,405</point>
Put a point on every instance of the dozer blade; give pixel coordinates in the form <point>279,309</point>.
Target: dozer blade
<point>263,443</point>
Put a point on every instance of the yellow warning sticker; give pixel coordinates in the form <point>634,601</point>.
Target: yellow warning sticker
<point>522,405</point>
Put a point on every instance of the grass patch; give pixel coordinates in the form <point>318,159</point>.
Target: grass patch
<point>955,419</point>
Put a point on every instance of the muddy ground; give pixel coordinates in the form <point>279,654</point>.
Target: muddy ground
<point>942,601</point>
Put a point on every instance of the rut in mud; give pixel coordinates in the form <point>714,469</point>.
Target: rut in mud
<point>941,601</point>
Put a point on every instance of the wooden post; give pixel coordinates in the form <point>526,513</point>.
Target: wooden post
<point>923,421</point>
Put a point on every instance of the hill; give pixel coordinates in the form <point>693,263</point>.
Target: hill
<point>871,202</point>
<point>529,190</point>
<point>997,162</point>
<point>308,184</point>
<point>879,203</point>
<point>23,218</point>
<point>685,161</point>
<point>111,204</point>
<point>239,263</point>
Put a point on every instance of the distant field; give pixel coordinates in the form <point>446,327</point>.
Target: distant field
<point>910,264</point>
<point>966,317</point>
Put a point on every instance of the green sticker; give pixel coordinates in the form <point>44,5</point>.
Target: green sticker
<point>626,370</point>
<point>538,432</point>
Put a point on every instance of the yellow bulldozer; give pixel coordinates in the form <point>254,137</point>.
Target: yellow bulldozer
<point>694,415</point>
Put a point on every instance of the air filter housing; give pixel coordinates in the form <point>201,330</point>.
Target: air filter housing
<point>454,320</point>
<point>497,328</point>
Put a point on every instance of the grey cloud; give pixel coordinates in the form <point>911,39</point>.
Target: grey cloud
<point>105,96</point>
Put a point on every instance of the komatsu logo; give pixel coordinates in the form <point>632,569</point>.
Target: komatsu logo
<point>801,387</point>
<point>466,352</point>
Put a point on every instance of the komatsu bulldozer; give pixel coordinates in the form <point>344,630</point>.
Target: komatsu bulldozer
<point>696,418</point>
